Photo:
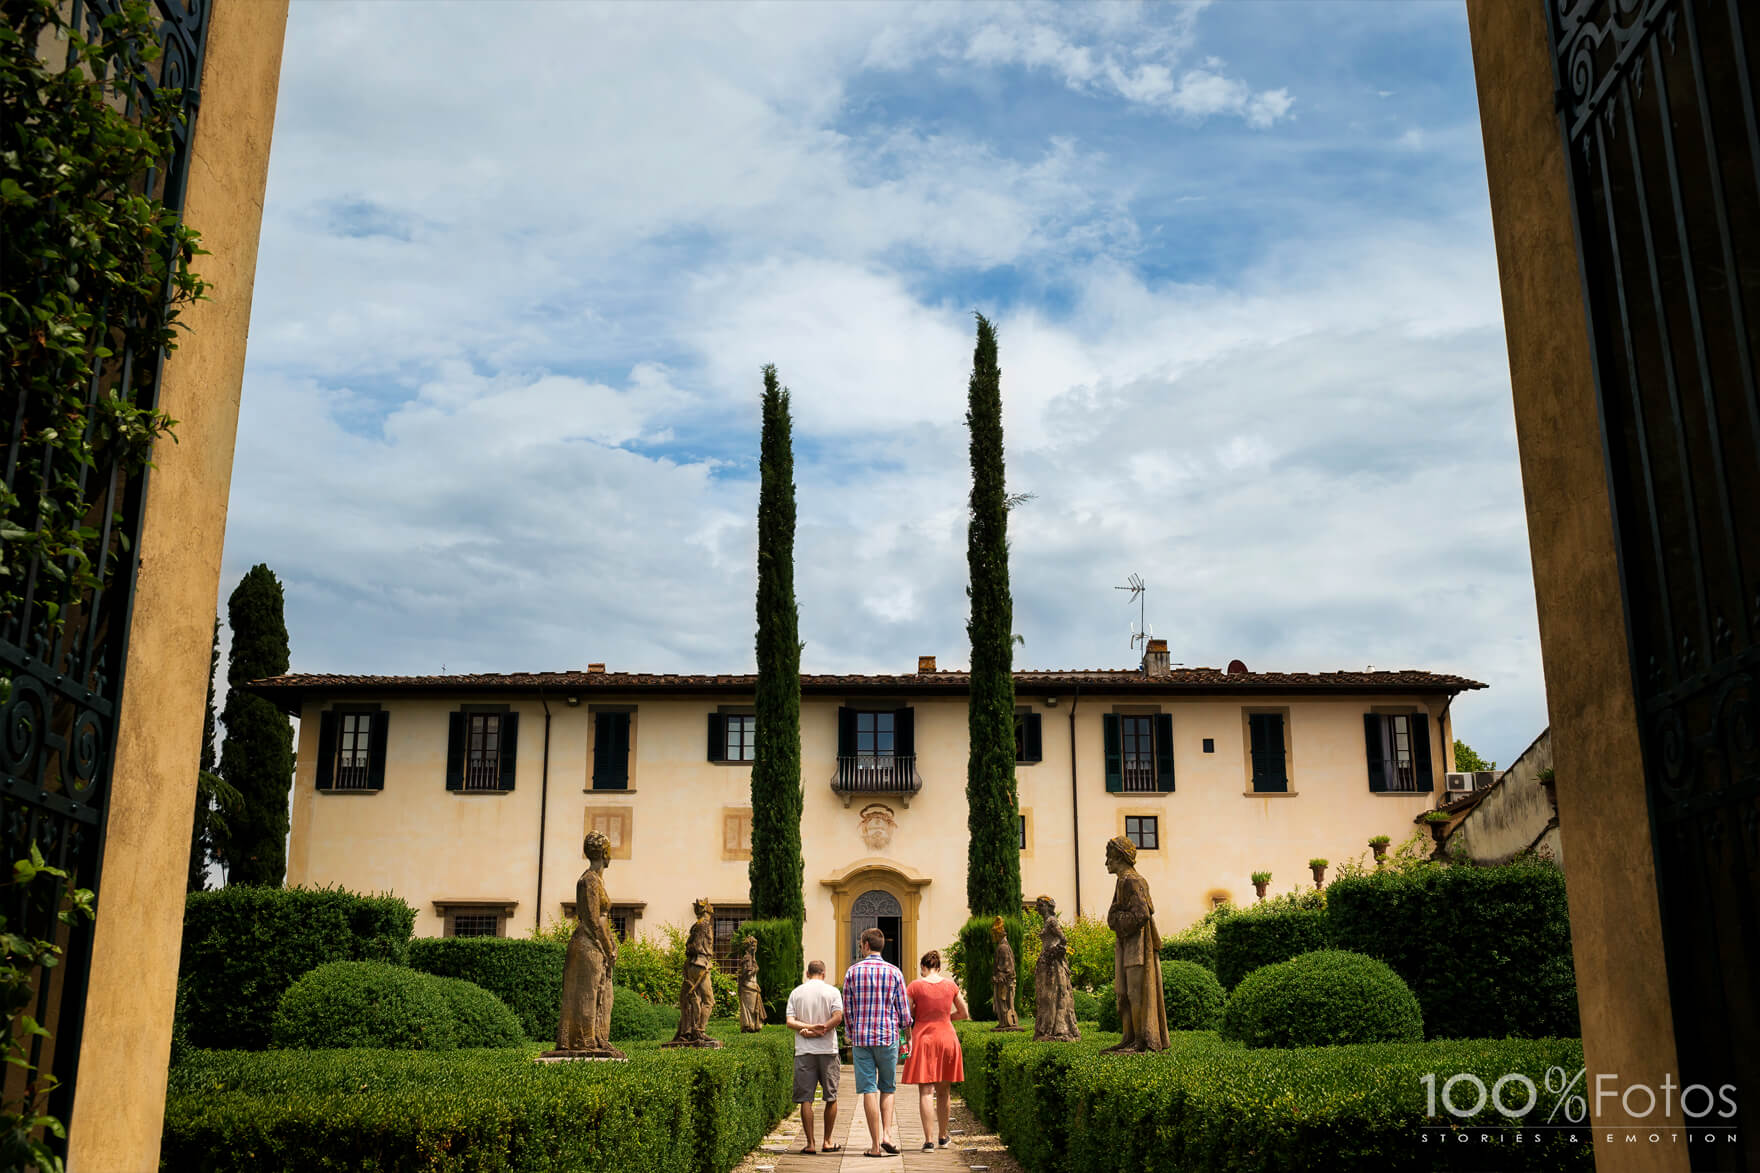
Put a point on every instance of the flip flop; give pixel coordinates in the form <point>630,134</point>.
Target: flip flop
<point>807,1152</point>
<point>832,1148</point>
<point>891,1149</point>
<point>873,1154</point>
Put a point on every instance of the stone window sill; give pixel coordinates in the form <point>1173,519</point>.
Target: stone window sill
<point>349,790</point>
<point>479,793</point>
<point>1271,793</point>
<point>608,790</point>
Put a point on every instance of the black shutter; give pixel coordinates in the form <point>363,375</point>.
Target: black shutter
<point>509,750</point>
<point>1114,753</point>
<point>326,749</point>
<point>846,732</point>
<point>904,733</point>
<point>611,752</point>
<point>376,750</point>
<point>1377,754</point>
<point>1164,752</point>
<point>1421,751</point>
<point>1035,744</point>
<point>455,752</point>
<point>1270,772</point>
<point>717,737</point>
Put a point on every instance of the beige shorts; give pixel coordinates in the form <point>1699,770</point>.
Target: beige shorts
<point>815,1071</point>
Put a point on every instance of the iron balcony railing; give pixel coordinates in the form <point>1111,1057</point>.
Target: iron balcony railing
<point>1139,777</point>
<point>483,774</point>
<point>877,774</point>
<point>351,774</point>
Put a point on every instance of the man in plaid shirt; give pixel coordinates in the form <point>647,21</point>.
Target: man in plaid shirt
<point>875,1013</point>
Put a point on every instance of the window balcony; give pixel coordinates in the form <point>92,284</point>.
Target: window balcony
<point>864,774</point>
<point>1140,776</point>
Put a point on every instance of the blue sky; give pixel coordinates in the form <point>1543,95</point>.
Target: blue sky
<point>521,265</point>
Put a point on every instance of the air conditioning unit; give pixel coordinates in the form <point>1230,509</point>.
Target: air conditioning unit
<point>1466,783</point>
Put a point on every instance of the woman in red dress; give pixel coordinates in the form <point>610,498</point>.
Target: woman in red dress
<point>934,1060</point>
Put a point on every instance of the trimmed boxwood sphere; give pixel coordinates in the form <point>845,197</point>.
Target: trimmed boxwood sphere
<point>1193,996</point>
<point>633,1017</point>
<point>1087,1006</point>
<point>1325,998</point>
<point>365,1004</point>
<point>482,1019</point>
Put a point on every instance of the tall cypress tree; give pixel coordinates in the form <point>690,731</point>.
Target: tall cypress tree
<point>776,870</point>
<point>993,861</point>
<point>257,759</point>
<point>202,829</point>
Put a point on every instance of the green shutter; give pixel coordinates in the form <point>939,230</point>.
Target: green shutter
<point>326,749</point>
<point>1372,724</point>
<point>1421,752</point>
<point>1114,753</point>
<point>1164,752</point>
<point>509,750</point>
<point>1035,743</point>
<point>1270,772</point>
<point>611,751</point>
<point>376,750</point>
<point>846,732</point>
<point>904,733</point>
<point>455,751</point>
<point>717,737</point>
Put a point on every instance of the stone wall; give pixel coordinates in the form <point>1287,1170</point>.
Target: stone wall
<point>1514,814</point>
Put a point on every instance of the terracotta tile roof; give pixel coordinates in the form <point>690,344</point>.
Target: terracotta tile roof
<point>288,690</point>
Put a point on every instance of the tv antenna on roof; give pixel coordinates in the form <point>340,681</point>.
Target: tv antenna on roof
<point>1139,595</point>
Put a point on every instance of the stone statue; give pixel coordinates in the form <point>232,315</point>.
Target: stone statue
<point>1136,961</point>
<point>584,1031</point>
<point>1054,1002</point>
<point>1002,979</point>
<point>696,995</point>
<point>751,997</point>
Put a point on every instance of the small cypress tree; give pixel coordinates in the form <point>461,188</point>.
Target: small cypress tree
<point>993,862</point>
<point>257,759</point>
<point>776,870</point>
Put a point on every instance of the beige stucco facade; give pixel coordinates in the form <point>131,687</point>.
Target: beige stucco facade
<point>436,847</point>
<point>119,1104</point>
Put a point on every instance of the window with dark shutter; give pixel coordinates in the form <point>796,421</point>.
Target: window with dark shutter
<point>611,751</point>
<point>1270,769</point>
<point>326,750</point>
<point>1398,745</point>
<point>376,750</point>
<point>1373,734</point>
<point>455,751</point>
<point>1422,777</point>
<point>1028,741</point>
<point>717,737</point>
<point>1111,736</point>
<point>1164,752</point>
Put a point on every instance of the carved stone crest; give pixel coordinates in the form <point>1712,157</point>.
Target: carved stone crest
<point>878,826</point>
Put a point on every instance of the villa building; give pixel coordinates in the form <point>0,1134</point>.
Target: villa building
<point>469,795</point>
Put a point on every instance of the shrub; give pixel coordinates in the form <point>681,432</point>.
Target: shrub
<point>244,946</point>
<point>1197,950</point>
<point>1209,1106</point>
<point>1487,950</point>
<point>780,964</point>
<point>1323,999</point>
<point>1091,947</point>
<point>1273,930</point>
<point>180,1022</point>
<point>526,974</point>
<point>482,1019</point>
<point>412,1112</point>
<point>633,1017</point>
<point>1107,1013</point>
<point>980,955</point>
<point>1088,1006</point>
<point>651,969</point>
<point>1193,996</point>
<point>365,1004</point>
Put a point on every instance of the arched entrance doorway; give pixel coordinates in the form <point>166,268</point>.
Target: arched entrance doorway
<point>875,893</point>
<point>875,909</point>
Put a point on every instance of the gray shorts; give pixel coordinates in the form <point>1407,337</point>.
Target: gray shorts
<point>815,1071</point>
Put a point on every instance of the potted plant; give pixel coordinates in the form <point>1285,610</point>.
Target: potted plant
<point>1549,783</point>
<point>1319,866</point>
<point>1438,822</point>
<point>1261,881</point>
<point>1379,846</point>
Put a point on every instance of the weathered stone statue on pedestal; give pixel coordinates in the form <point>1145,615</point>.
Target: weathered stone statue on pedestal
<point>751,997</point>
<point>584,1031</point>
<point>1054,1002</point>
<point>1002,979</point>
<point>1136,962</point>
<point>696,996</point>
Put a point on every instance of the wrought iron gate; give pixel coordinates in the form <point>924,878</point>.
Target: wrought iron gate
<point>1656,101</point>
<point>61,682</point>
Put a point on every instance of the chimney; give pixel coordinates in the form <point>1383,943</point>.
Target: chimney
<point>595,669</point>
<point>925,665</point>
<point>1155,661</point>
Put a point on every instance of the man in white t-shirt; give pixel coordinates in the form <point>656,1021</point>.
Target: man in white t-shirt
<point>815,1009</point>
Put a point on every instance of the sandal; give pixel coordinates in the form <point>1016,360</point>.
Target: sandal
<point>807,1152</point>
<point>832,1148</point>
<point>873,1154</point>
<point>891,1149</point>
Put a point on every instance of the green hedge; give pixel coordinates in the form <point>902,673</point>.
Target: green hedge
<point>980,954</point>
<point>780,965</point>
<point>1200,950</point>
<point>525,974</point>
<point>680,1111</point>
<point>365,1004</point>
<point>633,1017</point>
<point>1192,996</point>
<point>1486,950</point>
<point>1207,1106</point>
<point>1088,1006</point>
<point>483,1019</point>
<point>1265,934</point>
<point>1322,999</point>
<point>244,946</point>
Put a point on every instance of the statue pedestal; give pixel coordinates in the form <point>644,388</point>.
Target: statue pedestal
<point>1004,1028</point>
<point>707,1044</point>
<point>611,1056</point>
